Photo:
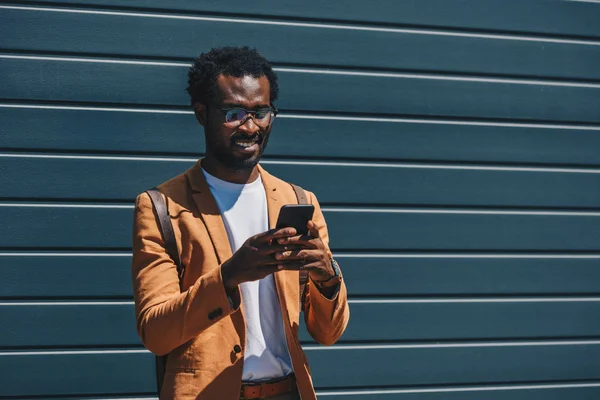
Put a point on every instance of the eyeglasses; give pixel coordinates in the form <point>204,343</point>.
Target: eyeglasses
<point>237,116</point>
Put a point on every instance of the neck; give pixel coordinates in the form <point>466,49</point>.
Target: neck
<point>216,169</point>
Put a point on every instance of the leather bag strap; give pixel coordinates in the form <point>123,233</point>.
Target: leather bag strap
<point>303,277</point>
<point>166,228</point>
<point>300,194</point>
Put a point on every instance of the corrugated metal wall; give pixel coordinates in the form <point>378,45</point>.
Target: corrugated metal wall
<point>454,146</point>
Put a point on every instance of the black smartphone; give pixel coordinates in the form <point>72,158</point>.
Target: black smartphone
<point>295,216</point>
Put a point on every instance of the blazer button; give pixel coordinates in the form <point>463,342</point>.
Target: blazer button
<point>214,314</point>
<point>237,349</point>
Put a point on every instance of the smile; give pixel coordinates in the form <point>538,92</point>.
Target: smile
<point>245,143</point>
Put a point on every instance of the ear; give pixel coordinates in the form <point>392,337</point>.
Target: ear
<point>200,111</point>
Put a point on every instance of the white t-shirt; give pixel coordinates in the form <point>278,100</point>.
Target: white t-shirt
<point>244,211</point>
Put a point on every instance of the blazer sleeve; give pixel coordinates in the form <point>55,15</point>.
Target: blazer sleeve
<point>326,319</point>
<point>166,316</point>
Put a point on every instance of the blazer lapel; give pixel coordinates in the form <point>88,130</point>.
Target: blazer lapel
<point>274,197</point>
<point>286,281</point>
<point>209,212</point>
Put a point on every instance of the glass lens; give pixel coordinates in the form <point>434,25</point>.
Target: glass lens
<point>263,114</point>
<point>235,115</point>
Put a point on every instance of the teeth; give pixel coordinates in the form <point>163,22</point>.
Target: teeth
<point>244,144</point>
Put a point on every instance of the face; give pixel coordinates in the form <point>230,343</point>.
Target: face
<point>240,147</point>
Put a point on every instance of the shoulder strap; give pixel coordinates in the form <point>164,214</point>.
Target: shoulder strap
<point>166,228</point>
<point>303,278</point>
<point>300,194</point>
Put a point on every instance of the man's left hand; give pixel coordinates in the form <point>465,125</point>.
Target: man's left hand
<point>312,255</point>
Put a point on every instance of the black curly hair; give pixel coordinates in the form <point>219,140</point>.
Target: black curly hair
<point>231,61</point>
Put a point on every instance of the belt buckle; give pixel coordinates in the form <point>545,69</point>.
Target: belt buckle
<point>253,387</point>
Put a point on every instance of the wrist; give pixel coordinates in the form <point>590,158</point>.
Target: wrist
<point>333,280</point>
<point>229,281</point>
<point>231,287</point>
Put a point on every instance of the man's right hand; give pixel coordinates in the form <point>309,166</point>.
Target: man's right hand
<point>256,258</point>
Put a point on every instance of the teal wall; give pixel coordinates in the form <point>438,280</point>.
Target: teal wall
<point>454,146</point>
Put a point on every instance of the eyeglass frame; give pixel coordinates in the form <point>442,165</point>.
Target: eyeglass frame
<point>249,113</point>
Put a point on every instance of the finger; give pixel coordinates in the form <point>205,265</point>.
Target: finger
<point>270,261</point>
<point>290,255</point>
<point>303,241</point>
<point>310,267</point>
<point>277,248</point>
<point>313,229</point>
<point>314,266</point>
<point>288,239</point>
<point>273,234</point>
<point>300,255</point>
<point>292,266</point>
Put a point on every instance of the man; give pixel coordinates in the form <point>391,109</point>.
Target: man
<point>230,324</point>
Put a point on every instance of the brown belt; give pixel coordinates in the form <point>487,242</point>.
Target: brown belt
<point>260,390</point>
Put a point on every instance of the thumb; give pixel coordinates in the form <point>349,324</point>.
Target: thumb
<point>313,229</point>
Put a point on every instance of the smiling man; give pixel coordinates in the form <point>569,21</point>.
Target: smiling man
<point>229,323</point>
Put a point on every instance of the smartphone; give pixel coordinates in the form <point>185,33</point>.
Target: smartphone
<point>295,216</point>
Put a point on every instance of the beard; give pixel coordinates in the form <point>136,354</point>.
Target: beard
<point>215,144</point>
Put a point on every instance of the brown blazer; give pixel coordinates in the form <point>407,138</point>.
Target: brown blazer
<point>195,324</point>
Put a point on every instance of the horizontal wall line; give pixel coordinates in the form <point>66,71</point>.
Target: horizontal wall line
<point>64,303</point>
<point>339,209</point>
<point>63,254</point>
<point>478,300</point>
<point>335,21</point>
<point>108,158</point>
<point>95,60</point>
<point>460,211</point>
<point>63,205</point>
<point>329,71</point>
<point>472,388</point>
<point>438,122</point>
<point>465,255</point>
<point>349,347</point>
<point>134,396</point>
<point>79,397</point>
<point>430,166</point>
<point>118,398</point>
<point>353,164</point>
<point>333,26</point>
<point>444,77</point>
<point>341,255</point>
<point>429,300</point>
<point>73,352</point>
<point>408,390</point>
<point>296,115</point>
<point>454,345</point>
<point>105,109</point>
<point>92,397</point>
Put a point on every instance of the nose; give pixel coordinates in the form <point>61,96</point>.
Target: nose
<point>249,127</point>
